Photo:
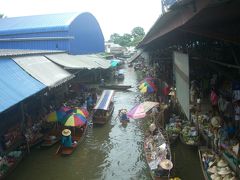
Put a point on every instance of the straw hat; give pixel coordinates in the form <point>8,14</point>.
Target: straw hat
<point>66,132</point>
<point>224,171</point>
<point>215,121</point>
<point>221,163</point>
<point>215,177</point>
<point>123,111</point>
<point>152,127</point>
<point>212,170</point>
<point>166,164</point>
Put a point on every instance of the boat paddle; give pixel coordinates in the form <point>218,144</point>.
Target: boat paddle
<point>58,149</point>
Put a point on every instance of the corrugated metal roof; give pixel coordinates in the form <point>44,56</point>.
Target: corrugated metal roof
<point>37,23</point>
<point>105,100</point>
<point>17,52</point>
<point>43,70</point>
<point>15,84</point>
<point>79,61</point>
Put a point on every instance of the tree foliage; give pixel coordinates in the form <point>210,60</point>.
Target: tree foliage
<point>126,39</point>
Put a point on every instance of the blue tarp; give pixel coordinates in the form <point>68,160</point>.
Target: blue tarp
<point>15,84</point>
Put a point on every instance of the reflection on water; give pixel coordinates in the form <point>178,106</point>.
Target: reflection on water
<point>109,152</point>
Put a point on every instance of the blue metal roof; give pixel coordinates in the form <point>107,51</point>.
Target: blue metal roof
<point>37,23</point>
<point>15,84</point>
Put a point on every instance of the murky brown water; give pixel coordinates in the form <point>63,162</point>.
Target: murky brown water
<point>110,152</point>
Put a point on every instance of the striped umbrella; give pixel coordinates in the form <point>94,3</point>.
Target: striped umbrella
<point>81,111</point>
<point>55,116</point>
<point>74,119</point>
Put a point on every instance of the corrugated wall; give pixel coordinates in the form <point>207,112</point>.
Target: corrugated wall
<point>83,35</point>
<point>56,44</point>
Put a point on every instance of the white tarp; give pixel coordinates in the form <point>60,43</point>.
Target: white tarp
<point>181,71</point>
<point>79,61</point>
<point>43,70</point>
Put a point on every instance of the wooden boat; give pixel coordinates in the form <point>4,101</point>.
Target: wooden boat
<point>51,138</point>
<point>79,134</point>
<point>115,87</point>
<point>193,135</point>
<point>120,75</point>
<point>204,150</point>
<point>50,141</point>
<point>13,166</point>
<point>104,108</point>
<point>153,155</point>
<point>123,117</point>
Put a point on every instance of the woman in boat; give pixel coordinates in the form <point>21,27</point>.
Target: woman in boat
<point>123,115</point>
<point>66,138</point>
<point>164,168</point>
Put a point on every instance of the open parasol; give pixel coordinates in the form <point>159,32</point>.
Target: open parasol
<point>74,120</point>
<point>140,110</point>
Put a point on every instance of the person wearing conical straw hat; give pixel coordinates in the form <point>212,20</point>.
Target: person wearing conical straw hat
<point>164,167</point>
<point>66,138</point>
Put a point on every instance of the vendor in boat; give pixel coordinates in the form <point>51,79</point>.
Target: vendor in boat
<point>123,115</point>
<point>66,138</point>
<point>164,168</point>
<point>102,83</point>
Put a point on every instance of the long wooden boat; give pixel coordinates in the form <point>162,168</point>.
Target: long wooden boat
<point>79,134</point>
<point>204,150</point>
<point>154,157</point>
<point>115,87</point>
<point>104,108</point>
<point>13,167</point>
<point>50,141</point>
<point>51,138</point>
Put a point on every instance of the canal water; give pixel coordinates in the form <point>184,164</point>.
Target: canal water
<point>109,152</point>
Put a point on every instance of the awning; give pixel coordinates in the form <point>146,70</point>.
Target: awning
<point>115,62</point>
<point>79,61</point>
<point>43,70</point>
<point>135,56</point>
<point>105,100</point>
<point>15,84</point>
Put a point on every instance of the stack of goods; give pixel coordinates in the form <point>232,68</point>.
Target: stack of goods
<point>189,135</point>
<point>157,150</point>
<point>174,128</point>
<point>220,170</point>
<point>12,137</point>
<point>8,162</point>
<point>204,125</point>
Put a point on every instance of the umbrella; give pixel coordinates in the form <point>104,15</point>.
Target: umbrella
<point>55,116</point>
<point>140,110</point>
<point>115,62</point>
<point>147,89</point>
<point>74,119</point>
<point>81,111</point>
